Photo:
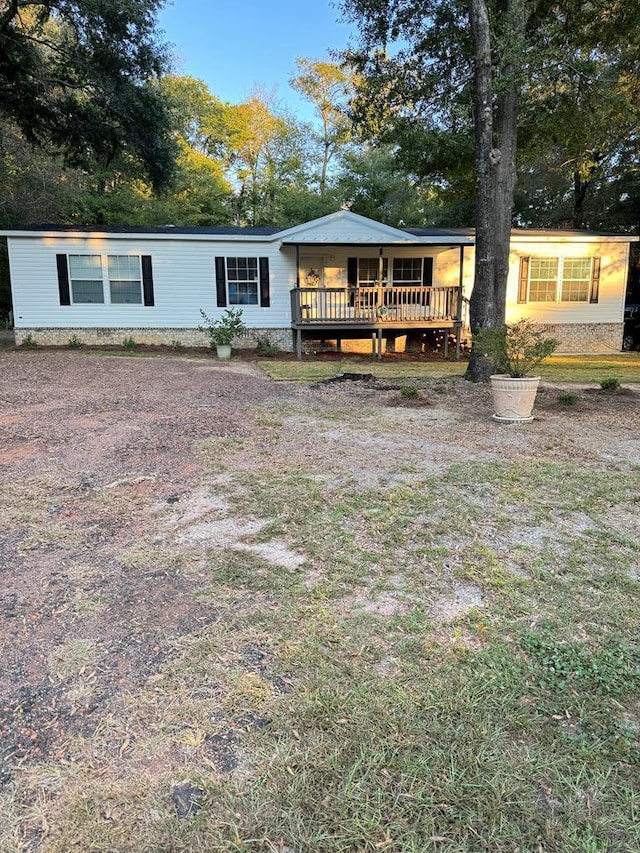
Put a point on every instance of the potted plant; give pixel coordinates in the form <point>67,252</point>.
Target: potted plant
<point>222,332</point>
<point>515,350</point>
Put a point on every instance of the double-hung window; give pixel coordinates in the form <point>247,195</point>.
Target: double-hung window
<point>369,271</point>
<point>559,280</point>
<point>243,281</point>
<point>105,279</point>
<point>407,271</point>
<point>85,277</point>
<point>125,279</point>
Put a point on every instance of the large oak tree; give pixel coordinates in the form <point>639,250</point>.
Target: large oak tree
<point>433,68</point>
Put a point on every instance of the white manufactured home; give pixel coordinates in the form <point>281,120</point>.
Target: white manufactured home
<point>339,277</point>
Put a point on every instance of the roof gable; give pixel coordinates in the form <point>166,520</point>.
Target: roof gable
<point>347,228</point>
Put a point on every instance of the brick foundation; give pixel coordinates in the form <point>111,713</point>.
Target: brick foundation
<point>576,338</point>
<point>282,338</point>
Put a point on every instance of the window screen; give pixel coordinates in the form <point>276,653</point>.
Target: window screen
<point>125,279</point>
<point>85,274</point>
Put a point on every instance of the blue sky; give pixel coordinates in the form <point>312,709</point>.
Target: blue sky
<point>234,46</point>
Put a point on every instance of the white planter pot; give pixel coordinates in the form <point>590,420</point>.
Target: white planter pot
<point>223,351</point>
<point>513,399</point>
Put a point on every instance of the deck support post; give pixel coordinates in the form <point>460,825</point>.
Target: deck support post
<point>445,348</point>
<point>458,336</point>
<point>298,334</point>
<point>379,344</point>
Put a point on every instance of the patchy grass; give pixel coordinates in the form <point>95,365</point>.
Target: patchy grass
<point>453,666</point>
<point>561,368</point>
<point>315,371</point>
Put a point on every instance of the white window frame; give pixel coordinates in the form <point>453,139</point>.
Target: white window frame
<point>138,279</point>
<point>367,281</point>
<point>561,260</point>
<point>72,279</point>
<point>243,281</point>
<point>105,277</point>
<point>414,282</point>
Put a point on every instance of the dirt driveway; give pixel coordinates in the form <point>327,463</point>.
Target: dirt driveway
<point>91,447</point>
<point>108,475</point>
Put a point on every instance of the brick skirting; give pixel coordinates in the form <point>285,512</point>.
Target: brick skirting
<point>282,338</point>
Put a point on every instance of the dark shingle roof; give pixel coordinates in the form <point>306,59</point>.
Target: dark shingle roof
<point>205,230</point>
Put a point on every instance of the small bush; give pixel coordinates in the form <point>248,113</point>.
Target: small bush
<point>75,342</point>
<point>265,346</point>
<point>129,343</point>
<point>177,344</point>
<point>409,391</point>
<point>610,384</point>
<point>29,342</point>
<point>568,398</point>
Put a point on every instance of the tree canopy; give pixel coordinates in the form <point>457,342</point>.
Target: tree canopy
<point>75,75</point>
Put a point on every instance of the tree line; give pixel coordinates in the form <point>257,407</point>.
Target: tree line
<point>94,127</point>
<point>444,112</point>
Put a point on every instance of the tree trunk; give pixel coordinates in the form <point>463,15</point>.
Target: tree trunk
<point>496,116</point>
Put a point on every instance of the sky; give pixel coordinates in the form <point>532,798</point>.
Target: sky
<point>236,45</point>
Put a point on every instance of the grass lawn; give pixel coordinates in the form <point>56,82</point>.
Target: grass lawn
<point>562,368</point>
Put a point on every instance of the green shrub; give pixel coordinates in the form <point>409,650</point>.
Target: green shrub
<point>74,342</point>
<point>129,343</point>
<point>222,332</point>
<point>29,342</point>
<point>610,384</point>
<point>516,349</point>
<point>568,398</point>
<point>177,344</point>
<point>265,346</point>
<point>409,391</point>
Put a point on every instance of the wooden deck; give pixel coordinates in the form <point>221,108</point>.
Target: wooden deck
<point>358,310</point>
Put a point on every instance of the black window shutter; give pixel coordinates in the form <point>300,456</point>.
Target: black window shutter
<point>221,282</point>
<point>147,280</point>
<point>595,280</point>
<point>523,281</point>
<point>427,272</point>
<point>63,279</point>
<point>265,297</point>
<point>352,271</point>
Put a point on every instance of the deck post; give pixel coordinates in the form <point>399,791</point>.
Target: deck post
<point>458,336</point>
<point>298,334</point>
<point>445,348</point>
<point>379,344</point>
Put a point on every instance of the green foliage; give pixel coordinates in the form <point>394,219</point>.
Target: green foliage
<point>29,342</point>
<point>265,346</point>
<point>221,332</point>
<point>74,342</point>
<point>611,670</point>
<point>129,343</point>
<point>75,75</point>
<point>568,398</point>
<point>409,391</point>
<point>176,344</point>
<point>515,348</point>
<point>610,384</point>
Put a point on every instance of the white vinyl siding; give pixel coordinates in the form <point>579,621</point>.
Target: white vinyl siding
<point>559,279</point>
<point>85,278</point>
<point>183,282</point>
<point>125,279</point>
<point>242,281</point>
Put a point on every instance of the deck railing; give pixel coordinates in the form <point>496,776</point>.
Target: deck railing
<point>376,305</point>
